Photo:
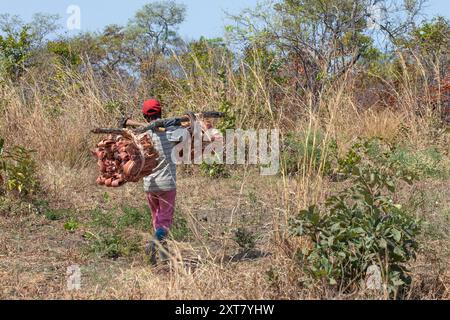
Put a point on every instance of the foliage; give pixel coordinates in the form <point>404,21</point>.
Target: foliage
<point>153,32</point>
<point>359,227</point>
<point>112,244</point>
<point>180,230</point>
<point>322,40</point>
<point>430,38</point>
<point>107,234</point>
<point>219,170</point>
<point>406,162</point>
<point>19,170</point>
<point>303,151</point>
<point>15,52</point>
<point>244,238</point>
<point>139,218</point>
<point>40,26</point>
<point>206,55</point>
<point>71,225</point>
<point>65,52</point>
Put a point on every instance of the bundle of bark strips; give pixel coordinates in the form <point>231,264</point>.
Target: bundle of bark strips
<point>125,157</point>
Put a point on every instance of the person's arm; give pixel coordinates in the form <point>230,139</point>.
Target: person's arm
<point>132,123</point>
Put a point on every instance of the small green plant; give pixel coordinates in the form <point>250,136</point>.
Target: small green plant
<point>244,238</point>
<point>102,218</point>
<point>215,170</point>
<point>19,171</point>
<point>71,225</point>
<point>112,244</point>
<point>135,217</point>
<point>405,161</point>
<point>56,214</point>
<point>373,154</point>
<point>423,163</point>
<point>359,227</point>
<point>107,234</point>
<point>180,230</point>
<point>106,197</point>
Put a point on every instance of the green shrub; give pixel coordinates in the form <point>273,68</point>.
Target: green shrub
<point>359,227</point>
<point>244,238</point>
<point>102,218</point>
<point>405,161</point>
<point>372,154</point>
<point>15,51</point>
<point>65,52</point>
<point>19,170</point>
<point>112,244</point>
<point>71,225</point>
<point>135,217</point>
<point>306,151</point>
<point>215,170</point>
<point>424,163</point>
<point>107,234</point>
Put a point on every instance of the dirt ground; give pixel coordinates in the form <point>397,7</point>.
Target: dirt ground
<point>210,258</point>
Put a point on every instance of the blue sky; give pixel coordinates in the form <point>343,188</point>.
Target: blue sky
<point>204,17</point>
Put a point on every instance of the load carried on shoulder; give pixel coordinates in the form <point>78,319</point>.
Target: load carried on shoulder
<point>125,158</point>
<point>130,155</point>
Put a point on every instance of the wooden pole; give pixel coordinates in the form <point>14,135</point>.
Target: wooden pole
<point>159,123</point>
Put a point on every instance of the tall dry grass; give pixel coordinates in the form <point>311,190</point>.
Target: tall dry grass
<point>53,114</point>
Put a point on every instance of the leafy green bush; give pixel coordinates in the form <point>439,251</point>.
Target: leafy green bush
<point>112,244</point>
<point>14,53</point>
<point>71,225</point>
<point>19,170</point>
<point>107,234</point>
<point>359,227</point>
<point>401,159</point>
<point>65,52</point>
<point>135,217</point>
<point>424,163</point>
<point>303,150</point>
<point>244,238</point>
<point>215,170</point>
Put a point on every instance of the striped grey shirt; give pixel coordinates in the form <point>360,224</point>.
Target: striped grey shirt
<point>164,177</point>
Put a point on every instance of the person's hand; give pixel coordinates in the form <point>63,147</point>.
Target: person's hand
<point>123,121</point>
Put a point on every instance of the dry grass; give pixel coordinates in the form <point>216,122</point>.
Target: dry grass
<point>55,121</point>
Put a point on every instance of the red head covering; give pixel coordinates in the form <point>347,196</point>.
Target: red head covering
<point>151,108</point>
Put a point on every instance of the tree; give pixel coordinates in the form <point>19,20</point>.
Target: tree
<point>19,41</point>
<point>14,53</point>
<point>40,26</point>
<point>321,40</point>
<point>153,31</point>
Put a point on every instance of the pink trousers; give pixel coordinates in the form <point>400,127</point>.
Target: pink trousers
<point>162,205</point>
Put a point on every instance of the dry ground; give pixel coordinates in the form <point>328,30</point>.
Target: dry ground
<point>36,250</point>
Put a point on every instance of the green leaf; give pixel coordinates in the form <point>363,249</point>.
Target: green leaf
<point>396,234</point>
<point>382,243</point>
<point>399,251</point>
<point>359,230</point>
